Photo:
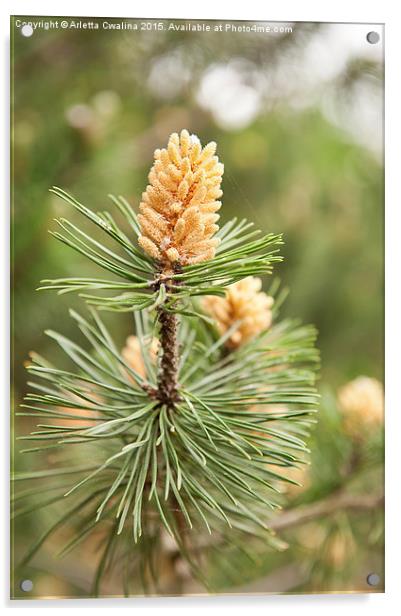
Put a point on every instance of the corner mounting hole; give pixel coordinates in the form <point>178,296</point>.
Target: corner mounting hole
<point>26,585</point>
<point>26,30</point>
<point>373,37</point>
<point>373,579</point>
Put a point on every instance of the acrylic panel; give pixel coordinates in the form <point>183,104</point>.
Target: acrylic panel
<point>197,307</point>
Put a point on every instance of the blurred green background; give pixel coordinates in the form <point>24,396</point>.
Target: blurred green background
<point>297,117</point>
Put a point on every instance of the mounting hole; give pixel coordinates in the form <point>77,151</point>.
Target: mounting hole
<point>26,585</point>
<point>26,30</point>
<point>373,579</point>
<point>373,37</point>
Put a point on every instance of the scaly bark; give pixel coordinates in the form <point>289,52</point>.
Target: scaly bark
<point>168,374</point>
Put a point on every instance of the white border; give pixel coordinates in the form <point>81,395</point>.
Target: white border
<point>368,11</point>
<point>287,10</point>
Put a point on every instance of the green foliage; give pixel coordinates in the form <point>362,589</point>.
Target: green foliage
<point>215,460</point>
<point>324,552</point>
<point>220,457</point>
<point>290,169</point>
<point>239,255</point>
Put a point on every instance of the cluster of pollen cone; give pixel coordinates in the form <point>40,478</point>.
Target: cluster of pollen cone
<point>178,209</point>
<point>244,304</point>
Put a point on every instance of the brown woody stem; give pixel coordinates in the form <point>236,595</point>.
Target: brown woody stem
<point>168,375</point>
<point>167,385</point>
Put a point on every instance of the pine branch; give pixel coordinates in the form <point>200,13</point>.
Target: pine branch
<point>238,255</point>
<point>196,436</point>
<point>334,503</point>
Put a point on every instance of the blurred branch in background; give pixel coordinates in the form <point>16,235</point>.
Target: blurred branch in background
<point>337,502</point>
